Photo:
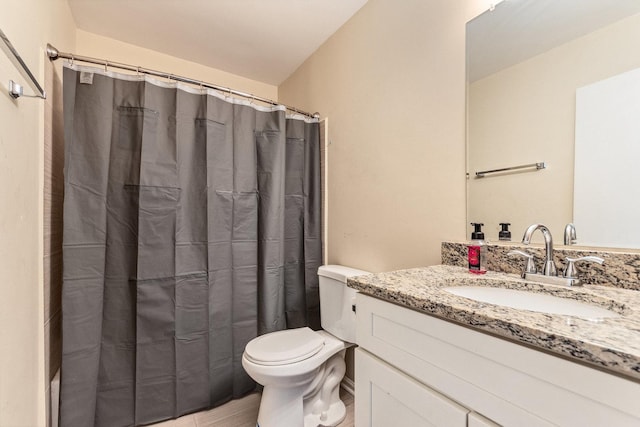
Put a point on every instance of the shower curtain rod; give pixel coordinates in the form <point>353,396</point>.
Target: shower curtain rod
<point>54,54</point>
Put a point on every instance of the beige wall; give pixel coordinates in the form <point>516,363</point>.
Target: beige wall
<point>29,24</point>
<point>526,114</point>
<point>392,82</point>
<point>93,45</point>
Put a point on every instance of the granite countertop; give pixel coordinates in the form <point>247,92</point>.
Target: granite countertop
<point>612,344</point>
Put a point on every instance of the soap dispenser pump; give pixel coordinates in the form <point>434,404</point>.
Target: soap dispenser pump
<point>477,250</point>
<point>504,234</point>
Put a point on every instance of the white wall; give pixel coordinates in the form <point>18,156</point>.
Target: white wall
<point>606,205</point>
<point>29,24</point>
<point>392,82</point>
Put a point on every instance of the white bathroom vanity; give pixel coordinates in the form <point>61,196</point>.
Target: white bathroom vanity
<point>430,358</point>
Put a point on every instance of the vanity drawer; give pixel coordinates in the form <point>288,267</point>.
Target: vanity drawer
<point>509,383</point>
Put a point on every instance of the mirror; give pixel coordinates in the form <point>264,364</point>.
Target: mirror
<point>527,61</point>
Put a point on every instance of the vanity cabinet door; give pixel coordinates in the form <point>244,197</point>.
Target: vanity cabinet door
<point>386,397</point>
<point>509,383</point>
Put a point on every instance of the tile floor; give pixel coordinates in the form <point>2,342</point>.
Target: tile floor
<point>241,413</point>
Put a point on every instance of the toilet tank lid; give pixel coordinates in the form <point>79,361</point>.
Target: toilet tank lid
<point>340,272</point>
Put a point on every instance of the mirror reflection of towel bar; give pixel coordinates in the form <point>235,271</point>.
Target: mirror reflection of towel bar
<point>537,166</point>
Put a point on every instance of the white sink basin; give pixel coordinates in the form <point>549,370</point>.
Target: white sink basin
<point>526,300</point>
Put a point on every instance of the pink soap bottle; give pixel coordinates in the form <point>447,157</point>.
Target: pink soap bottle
<point>477,250</point>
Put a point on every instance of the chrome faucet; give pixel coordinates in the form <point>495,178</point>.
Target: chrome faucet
<point>550,273</point>
<point>549,264</point>
<point>570,237</point>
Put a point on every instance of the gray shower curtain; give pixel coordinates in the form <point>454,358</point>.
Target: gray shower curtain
<point>191,225</point>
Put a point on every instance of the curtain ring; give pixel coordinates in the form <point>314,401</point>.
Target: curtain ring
<point>72,59</point>
<point>137,70</point>
<point>106,64</point>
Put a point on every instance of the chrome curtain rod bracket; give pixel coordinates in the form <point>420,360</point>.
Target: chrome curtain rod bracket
<point>15,89</point>
<point>538,166</point>
<point>54,54</point>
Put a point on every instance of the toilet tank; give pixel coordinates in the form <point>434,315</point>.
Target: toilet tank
<point>337,300</point>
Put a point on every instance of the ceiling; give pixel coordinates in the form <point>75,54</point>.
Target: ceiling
<point>264,40</point>
<point>519,29</point>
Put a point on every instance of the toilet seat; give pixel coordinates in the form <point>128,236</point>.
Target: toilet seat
<point>284,347</point>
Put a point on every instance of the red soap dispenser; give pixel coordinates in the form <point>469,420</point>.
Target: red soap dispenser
<point>477,250</point>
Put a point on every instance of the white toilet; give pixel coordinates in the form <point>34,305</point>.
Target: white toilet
<point>301,369</point>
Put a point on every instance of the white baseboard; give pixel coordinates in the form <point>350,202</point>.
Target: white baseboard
<point>348,385</point>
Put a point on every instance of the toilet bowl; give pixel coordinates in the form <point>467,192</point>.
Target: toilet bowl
<point>301,369</point>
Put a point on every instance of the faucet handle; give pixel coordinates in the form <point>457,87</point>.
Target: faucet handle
<point>570,237</point>
<point>571,271</point>
<point>530,266</point>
